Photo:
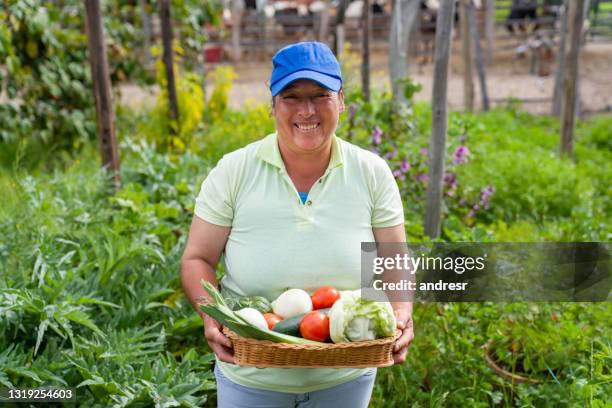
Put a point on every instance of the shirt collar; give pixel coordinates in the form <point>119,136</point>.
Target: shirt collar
<point>269,152</point>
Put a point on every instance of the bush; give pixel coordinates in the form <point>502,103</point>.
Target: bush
<point>90,285</point>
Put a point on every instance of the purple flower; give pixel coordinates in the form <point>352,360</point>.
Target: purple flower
<point>424,152</point>
<point>376,136</point>
<point>487,192</point>
<point>461,155</point>
<point>423,178</point>
<point>404,165</point>
<point>485,196</point>
<point>471,214</point>
<point>392,154</point>
<point>352,109</point>
<point>451,180</point>
<point>398,175</point>
<point>462,139</point>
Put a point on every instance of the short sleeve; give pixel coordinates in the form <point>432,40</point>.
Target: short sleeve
<point>388,209</point>
<point>214,204</point>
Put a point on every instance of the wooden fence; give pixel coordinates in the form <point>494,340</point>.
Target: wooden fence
<point>261,36</point>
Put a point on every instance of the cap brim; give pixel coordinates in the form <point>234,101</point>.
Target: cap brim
<point>329,82</point>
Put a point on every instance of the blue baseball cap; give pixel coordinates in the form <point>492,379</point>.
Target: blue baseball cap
<point>305,60</point>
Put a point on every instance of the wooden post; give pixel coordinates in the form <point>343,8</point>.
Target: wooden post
<point>403,15</point>
<point>237,7</point>
<point>166,23</point>
<point>366,20</point>
<point>105,114</point>
<point>490,29</point>
<point>466,53</point>
<point>478,54</point>
<point>324,22</point>
<point>439,119</point>
<point>339,40</point>
<point>269,35</point>
<point>145,22</point>
<point>575,20</point>
<point>560,68</point>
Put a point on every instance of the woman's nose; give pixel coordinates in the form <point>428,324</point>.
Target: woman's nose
<point>306,107</point>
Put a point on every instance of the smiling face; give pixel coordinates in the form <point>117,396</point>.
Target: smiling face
<point>306,117</point>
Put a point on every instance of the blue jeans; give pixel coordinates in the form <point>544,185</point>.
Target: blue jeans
<point>353,394</point>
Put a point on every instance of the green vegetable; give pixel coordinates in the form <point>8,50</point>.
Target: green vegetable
<point>353,318</point>
<point>218,310</point>
<point>291,326</point>
<point>255,302</point>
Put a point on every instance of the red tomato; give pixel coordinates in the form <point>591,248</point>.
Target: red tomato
<point>315,326</point>
<point>324,297</point>
<point>272,319</point>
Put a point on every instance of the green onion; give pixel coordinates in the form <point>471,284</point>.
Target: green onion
<point>218,310</point>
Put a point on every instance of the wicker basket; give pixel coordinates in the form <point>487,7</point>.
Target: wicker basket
<point>265,353</point>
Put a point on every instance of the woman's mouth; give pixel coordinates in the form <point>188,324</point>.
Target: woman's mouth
<point>307,127</point>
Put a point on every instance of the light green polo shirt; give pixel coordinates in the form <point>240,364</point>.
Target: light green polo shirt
<point>277,242</point>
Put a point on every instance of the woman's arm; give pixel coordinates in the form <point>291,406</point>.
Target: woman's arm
<point>403,307</point>
<point>204,248</point>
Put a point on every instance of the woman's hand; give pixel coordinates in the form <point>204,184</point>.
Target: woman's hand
<point>217,341</point>
<point>404,323</point>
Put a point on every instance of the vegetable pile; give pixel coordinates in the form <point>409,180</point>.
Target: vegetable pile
<point>299,318</point>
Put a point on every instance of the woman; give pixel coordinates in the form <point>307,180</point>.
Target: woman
<point>291,210</point>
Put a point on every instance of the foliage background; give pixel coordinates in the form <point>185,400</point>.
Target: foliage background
<point>89,288</point>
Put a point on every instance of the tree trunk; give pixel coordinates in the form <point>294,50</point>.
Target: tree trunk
<point>575,20</point>
<point>466,52</point>
<point>478,53</point>
<point>403,15</point>
<point>490,29</point>
<point>366,19</point>
<point>167,37</point>
<point>105,114</point>
<point>437,147</point>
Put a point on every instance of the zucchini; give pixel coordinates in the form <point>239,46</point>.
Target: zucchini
<point>291,326</point>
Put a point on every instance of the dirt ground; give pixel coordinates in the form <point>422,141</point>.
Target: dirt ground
<point>507,77</point>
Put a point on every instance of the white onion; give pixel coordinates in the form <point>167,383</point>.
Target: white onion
<point>292,302</point>
<point>254,317</point>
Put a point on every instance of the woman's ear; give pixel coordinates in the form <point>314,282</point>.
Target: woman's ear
<point>341,100</point>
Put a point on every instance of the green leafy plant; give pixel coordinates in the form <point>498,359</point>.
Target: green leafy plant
<point>217,104</point>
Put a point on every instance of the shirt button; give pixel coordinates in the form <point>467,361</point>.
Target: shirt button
<point>309,202</point>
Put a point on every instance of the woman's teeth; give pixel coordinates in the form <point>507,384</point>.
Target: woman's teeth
<point>307,127</point>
